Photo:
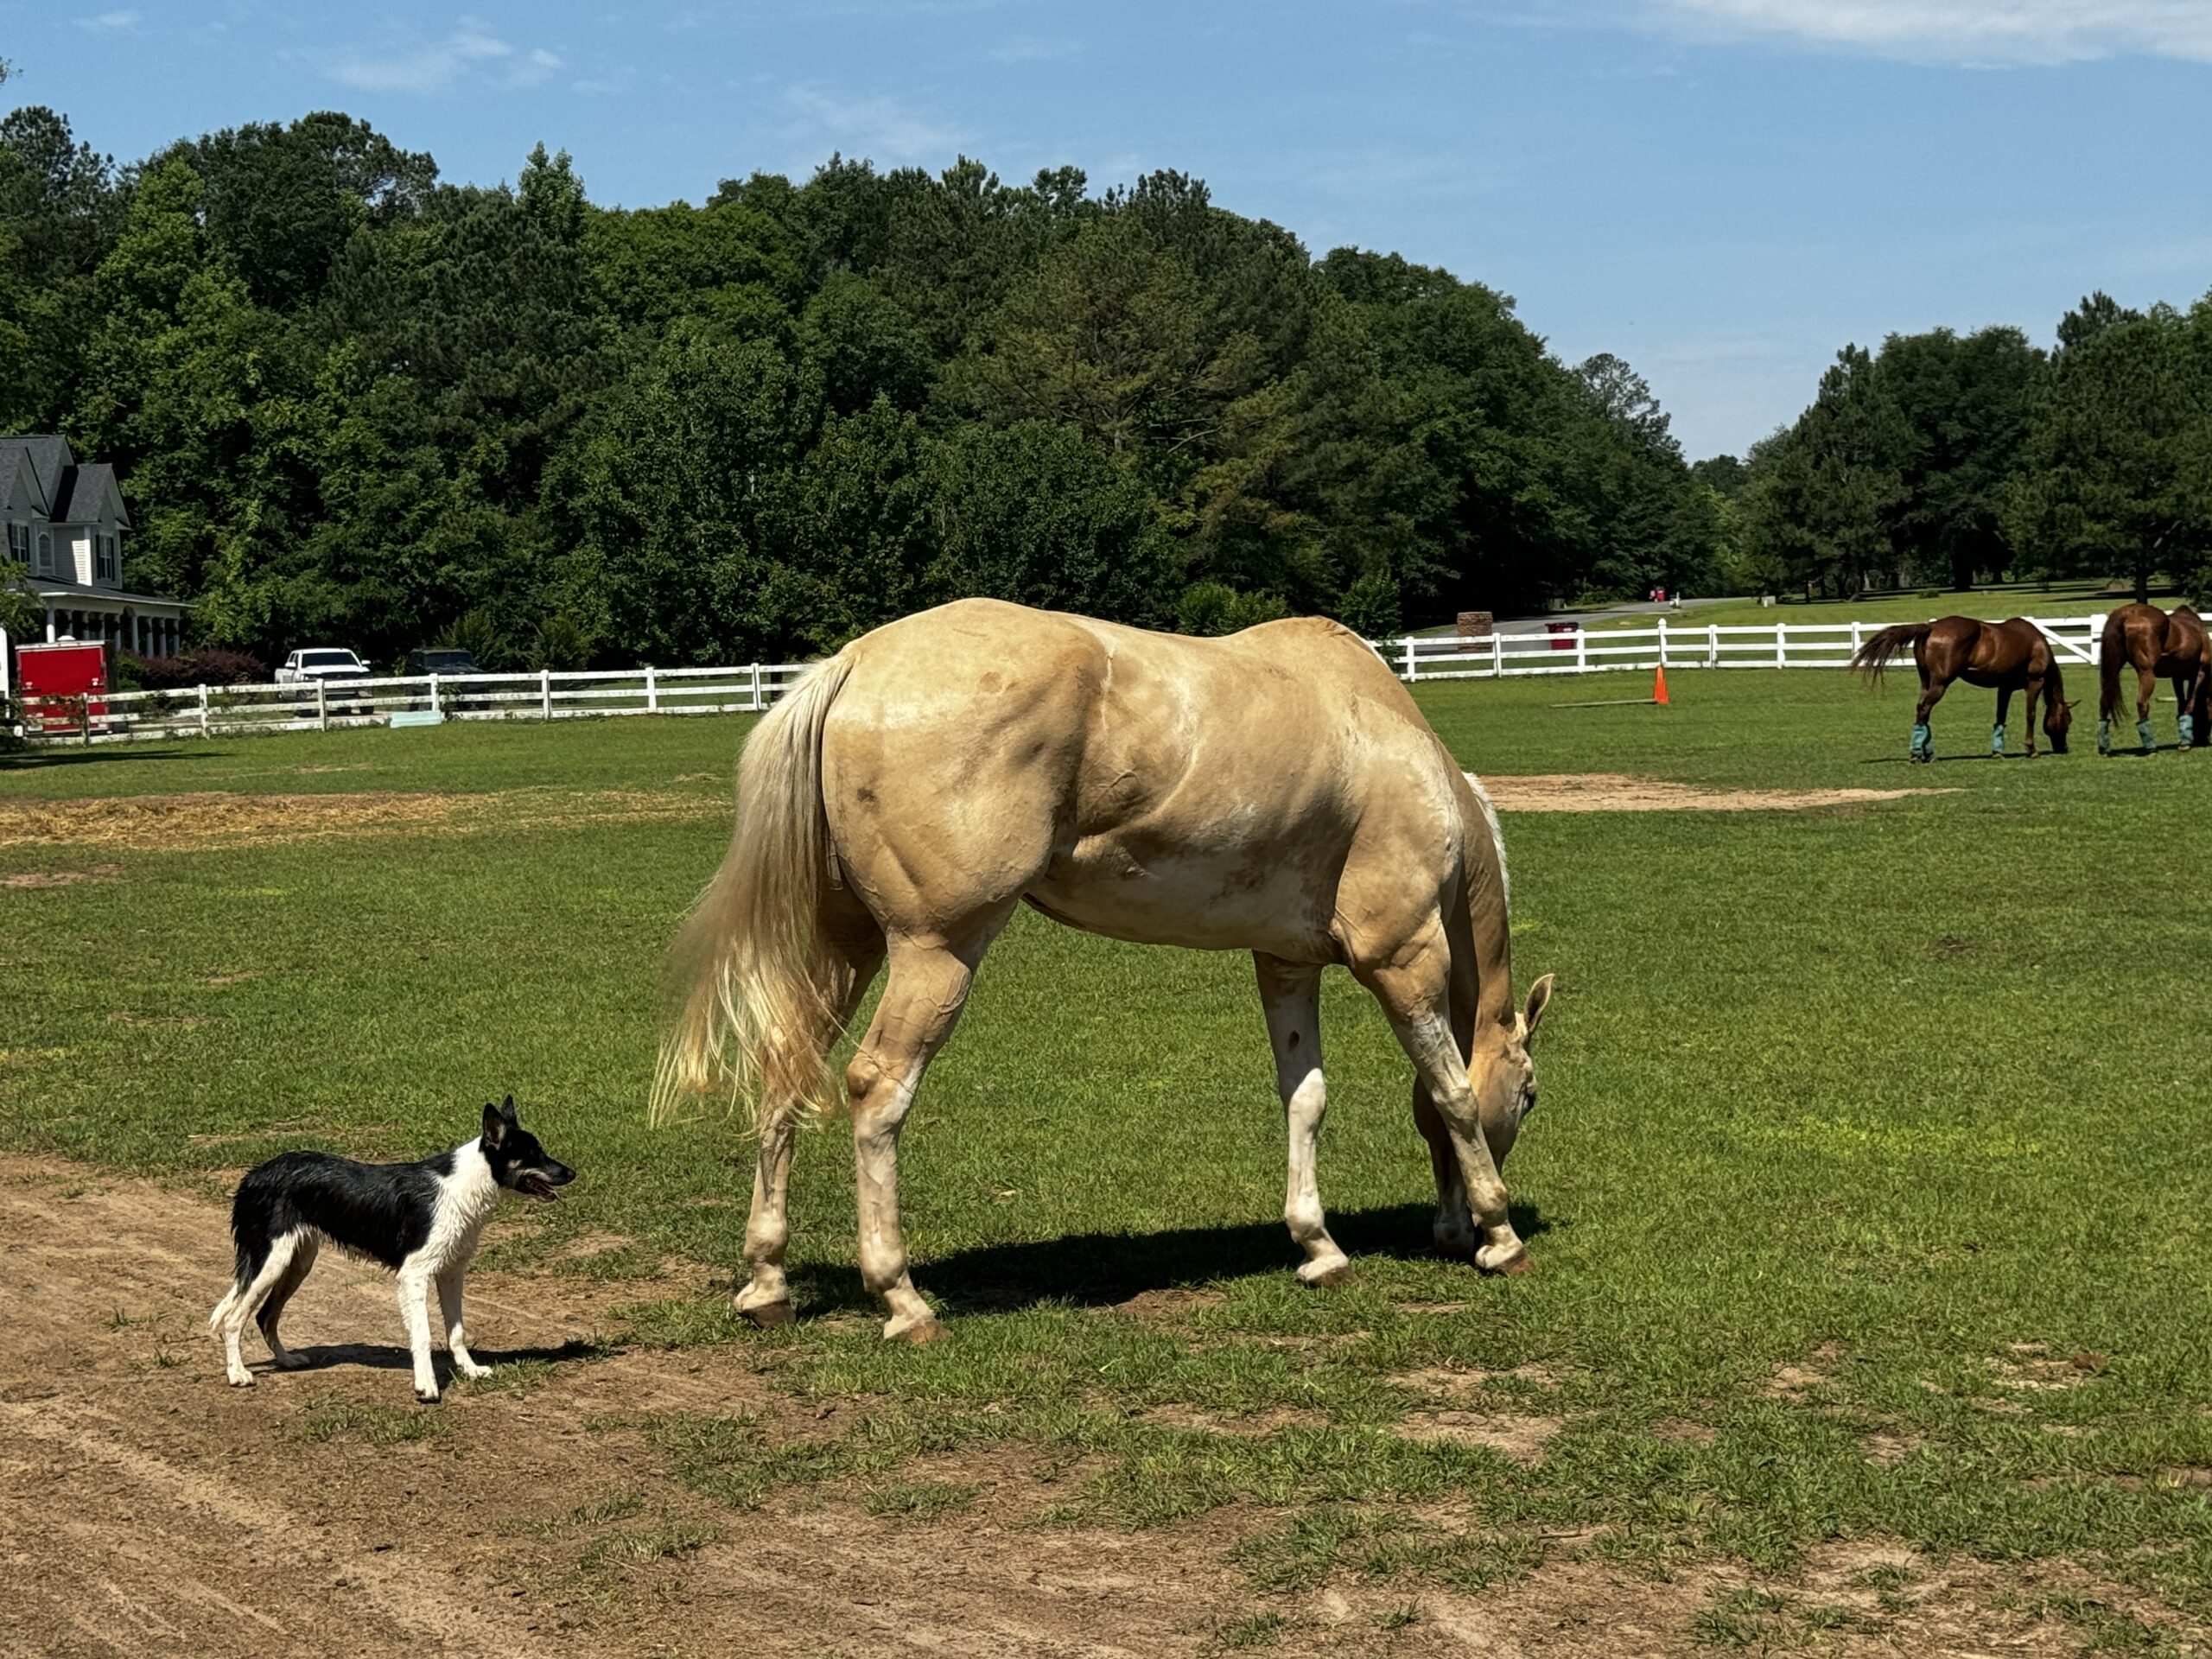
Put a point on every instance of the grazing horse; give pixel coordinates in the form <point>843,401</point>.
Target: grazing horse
<point>1275,792</point>
<point>2157,646</point>
<point>2012,656</point>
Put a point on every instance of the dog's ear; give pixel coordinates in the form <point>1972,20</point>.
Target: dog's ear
<point>496,1122</point>
<point>507,1110</point>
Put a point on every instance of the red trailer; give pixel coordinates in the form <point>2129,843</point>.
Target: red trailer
<point>63,687</point>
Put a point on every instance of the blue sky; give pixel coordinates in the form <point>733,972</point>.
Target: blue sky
<point>1722,191</point>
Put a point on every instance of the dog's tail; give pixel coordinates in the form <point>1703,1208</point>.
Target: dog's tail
<point>760,984</point>
<point>1874,656</point>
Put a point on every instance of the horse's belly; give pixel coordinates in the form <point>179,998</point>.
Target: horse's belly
<point>1248,899</point>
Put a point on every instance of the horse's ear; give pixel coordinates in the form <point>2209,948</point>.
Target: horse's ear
<point>1539,998</point>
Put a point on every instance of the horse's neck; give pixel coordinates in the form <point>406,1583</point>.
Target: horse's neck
<point>1492,929</point>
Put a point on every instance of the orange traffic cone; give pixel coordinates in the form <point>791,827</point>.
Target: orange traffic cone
<point>1659,687</point>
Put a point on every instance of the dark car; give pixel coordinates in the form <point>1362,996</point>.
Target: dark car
<point>440,659</point>
<point>447,661</point>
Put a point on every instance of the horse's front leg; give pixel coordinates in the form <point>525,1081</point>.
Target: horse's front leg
<point>2185,703</point>
<point>1997,732</point>
<point>1290,992</point>
<point>923,995</point>
<point>2035,694</point>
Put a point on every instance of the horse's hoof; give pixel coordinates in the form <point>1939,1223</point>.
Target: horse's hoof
<point>1511,1266</point>
<point>921,1331</point>
<point>1455,1247</point>
<point>1328,1278</point>
<point>768,1315</point>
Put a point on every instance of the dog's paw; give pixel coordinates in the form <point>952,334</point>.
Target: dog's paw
<point>473,1372</point>
<point>425,1396</point>
<point>241,1379</point>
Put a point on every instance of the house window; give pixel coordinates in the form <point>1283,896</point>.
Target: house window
<point>44,566</point>
<point>19,544</point>
<point>104,558</point>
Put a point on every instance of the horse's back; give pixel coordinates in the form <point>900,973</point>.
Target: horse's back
<point>1148,786</point>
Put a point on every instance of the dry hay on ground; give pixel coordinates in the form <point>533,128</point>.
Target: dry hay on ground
<point>207,819</point>
<point>1614,792</point>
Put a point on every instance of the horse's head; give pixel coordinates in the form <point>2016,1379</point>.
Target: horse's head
<point>2056,721</point>
<point>1505,1089</point>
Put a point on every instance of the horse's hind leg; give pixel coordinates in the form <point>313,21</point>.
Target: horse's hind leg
<point>2184,702</point>
<point>1291,994</point>
<point>1923,739</point>
<point>922,999</point>
<point>1413,984</point>
<point>767,1298</point>
<point>2146,688</point>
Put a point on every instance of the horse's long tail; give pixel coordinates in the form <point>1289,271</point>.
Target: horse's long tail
<point>1870,658</point>
<point>2111,657</point>
<point>760,982</point>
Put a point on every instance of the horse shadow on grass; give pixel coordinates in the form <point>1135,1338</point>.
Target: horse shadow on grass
<point>1107,1270</point>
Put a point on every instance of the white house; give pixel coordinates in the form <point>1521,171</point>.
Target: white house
<point>64,543</point>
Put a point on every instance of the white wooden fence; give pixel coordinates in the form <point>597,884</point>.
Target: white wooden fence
<point>235,710</point>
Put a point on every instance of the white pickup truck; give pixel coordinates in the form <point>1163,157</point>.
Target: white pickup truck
<point>324,663</point>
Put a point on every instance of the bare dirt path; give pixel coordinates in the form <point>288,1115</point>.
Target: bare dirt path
<point>145,1508</point>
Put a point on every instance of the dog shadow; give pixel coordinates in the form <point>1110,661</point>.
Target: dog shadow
<point>1107,1270</point>
<point>387,1356</point>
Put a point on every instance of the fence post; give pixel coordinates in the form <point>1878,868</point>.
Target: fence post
<point>1497,656</point>
<point>1781,645</point>
<point>321,705</point>
<point>653,692</point>
<point>203,708</point>
<point>1411,671</point>
<point>1855,625</point>
<point>2097,639</point>
<point>757,704</point>
<point>433,693</point>
<point>545,692</point>
<point>1662,639</point>
<point>1581,648</point>
<point>1712,644</point>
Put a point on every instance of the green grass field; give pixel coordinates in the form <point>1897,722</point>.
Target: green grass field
<point>1868,1195</point>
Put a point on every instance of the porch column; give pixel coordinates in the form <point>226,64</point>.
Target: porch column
<point>49,625</point>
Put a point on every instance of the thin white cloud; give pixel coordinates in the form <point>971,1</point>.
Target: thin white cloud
<point>1962,31</point>
<point>880,128</point>
<point>113,23</point>
<point>470,49</point>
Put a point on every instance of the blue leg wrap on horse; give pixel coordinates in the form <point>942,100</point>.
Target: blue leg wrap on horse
<point>2143,731</point>
<point>1923,742</point>
<point>2104,737</point>
<point>1997,738</point>
<point>2188,730</point>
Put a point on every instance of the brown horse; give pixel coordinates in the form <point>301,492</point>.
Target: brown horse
<point>2156,646</point>
<point>1276,791</point>
<point>2010,655</point>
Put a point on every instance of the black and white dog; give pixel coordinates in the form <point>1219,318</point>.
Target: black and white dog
<point>420,1220</point>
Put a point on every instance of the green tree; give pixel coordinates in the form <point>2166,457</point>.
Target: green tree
<point>2118,473</point>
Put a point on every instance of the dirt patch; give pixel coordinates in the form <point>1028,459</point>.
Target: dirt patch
<point>1614,792</point>
<point>1886,1449</point>
<point>1522,1439</point>
<point>1170,1302</point>
<point>145,1508</point>
<point>36,879</point>
<point>215,818</point>
<point>1796,1380</point>
<point>1681,1431</point>
<point>1252,1426</point>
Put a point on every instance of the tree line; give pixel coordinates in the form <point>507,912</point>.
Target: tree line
<point>1950,459</point>
<point>353,402</point>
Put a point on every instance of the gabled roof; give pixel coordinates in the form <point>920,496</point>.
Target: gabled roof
<point>83,493</point>
<point>48,454</point>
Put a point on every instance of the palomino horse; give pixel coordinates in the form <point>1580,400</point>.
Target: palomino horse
<point>2012,656</point>
<point>2157,646</point>
<point>1275,792</point>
